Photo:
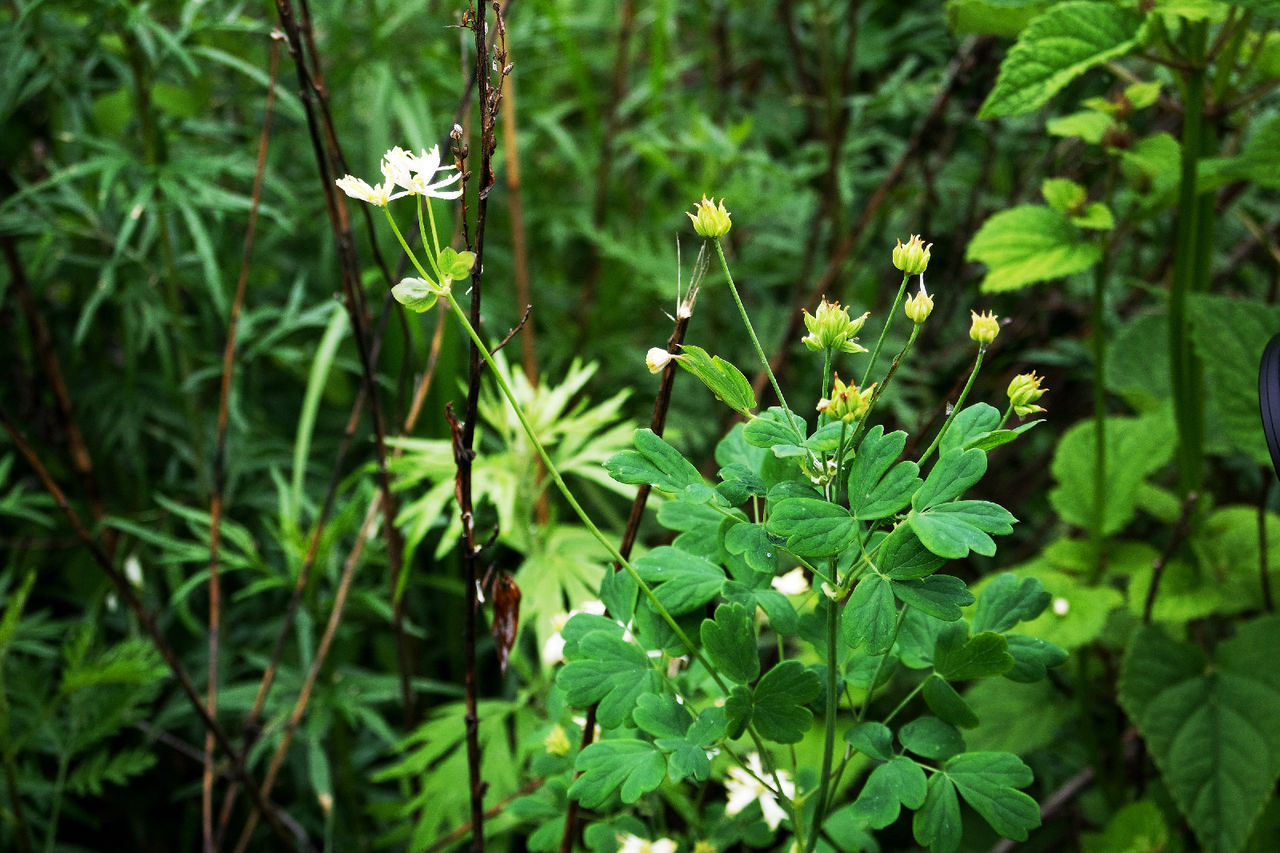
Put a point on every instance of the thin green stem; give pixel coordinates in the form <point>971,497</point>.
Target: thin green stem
<point>884,331</point>
<point>871,686</point>
<point>977,364</point>
<point>614,553</point>
<point>755,341</point>
<point>833,707</point>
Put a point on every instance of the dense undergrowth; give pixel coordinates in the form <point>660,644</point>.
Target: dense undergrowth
<point>235,596</point>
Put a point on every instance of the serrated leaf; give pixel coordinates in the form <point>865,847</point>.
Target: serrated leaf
<point>1063,195</point>
<point>654,462</point>
<point>899,782</point>
<point>1213,729</point>
<point>902,556</point>
<point>812,527</point>
<point>870,616</point>
<point>627,768</point>
<point>981,656</point>
<point>610,671</point>
<point>872,739</point>
<point>944,701</point>
<point>989,782</point>
<point>940,596</point>
<point>1029,243</point>
<point>1056,47</point>
<point>951,476</point>
<point>1008,600</point>
<point>1135,448</point>
<point>1096,216</point>
<point>722,378</point>
<point>730,641</point>
<point>1229,335</point>
<point>953,530</point>
<point>683,582</point>
<point>937,823</point>
<point>930,737</point>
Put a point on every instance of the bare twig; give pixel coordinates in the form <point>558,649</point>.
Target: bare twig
<point>220,449</point>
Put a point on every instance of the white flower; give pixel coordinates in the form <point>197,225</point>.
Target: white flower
<point>745,788</point>
<point>417,173</point>
<point>633,844</point>
<point>656,359</point>
<point>792,583</point>
<point>1061,606</point>
<point>377,195</point>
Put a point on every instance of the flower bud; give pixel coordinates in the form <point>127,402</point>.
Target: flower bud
<point>831,329</point>
<point>657,358</point>
<point>1023,392</point>
<point>984,327</point>
<point>557,742</point>
<point>920,306</point>
<point>912,258</point>
<point>710,220</point>
<point>847,402</point>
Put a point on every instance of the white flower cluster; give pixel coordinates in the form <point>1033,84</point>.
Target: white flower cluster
<point>415,174</point>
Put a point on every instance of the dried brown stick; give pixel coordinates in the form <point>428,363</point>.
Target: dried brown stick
<point>220,448</point>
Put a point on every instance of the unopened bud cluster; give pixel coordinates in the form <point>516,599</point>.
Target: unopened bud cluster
<point>1024,391</point>
<point>710,220</point>
<point>913,258</point>
<point>831,329</point>
<point>984,327</point>
<point>847,402</point>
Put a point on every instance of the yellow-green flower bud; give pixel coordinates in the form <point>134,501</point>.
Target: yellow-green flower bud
<point>920,306</point>
<point>847,402</point>
<point>831,329</point>
<point>709,219</point>
<point>557,742</point>
<point>913,258</point>
<point>984,328</point>
<point>1023,392</point>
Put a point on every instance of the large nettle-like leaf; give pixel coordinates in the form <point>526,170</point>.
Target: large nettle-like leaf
<point>1056,47</point>
<point>1212,726</point>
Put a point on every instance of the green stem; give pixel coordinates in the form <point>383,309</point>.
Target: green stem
<point>977,364</point>
<point>833,707</point>
<point>1097,534</point>
<point>884,331</point>
<point>755,341</point>
<point>614,553</point>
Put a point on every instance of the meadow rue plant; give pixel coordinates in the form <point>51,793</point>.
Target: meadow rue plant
<point>716,656</point>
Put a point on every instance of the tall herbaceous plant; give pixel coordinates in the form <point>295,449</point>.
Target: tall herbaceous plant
<point>725,693</point>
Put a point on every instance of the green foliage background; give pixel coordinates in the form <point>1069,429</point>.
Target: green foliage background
<point>130,132</point>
